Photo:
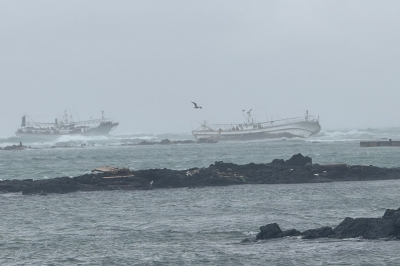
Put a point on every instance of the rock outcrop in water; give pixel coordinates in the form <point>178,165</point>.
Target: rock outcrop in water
<point>14,147</point>
<point>298,169</point>
<point>172,142</point>
<point>387,227</point>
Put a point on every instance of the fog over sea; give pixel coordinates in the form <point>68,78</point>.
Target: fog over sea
<point>191,226</point>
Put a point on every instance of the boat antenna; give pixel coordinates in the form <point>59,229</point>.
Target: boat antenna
<point>65,117</point>
<point>249,116</point>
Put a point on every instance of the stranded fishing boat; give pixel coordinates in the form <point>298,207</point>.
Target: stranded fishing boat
<point>302,127</point>
<point>67,126</point>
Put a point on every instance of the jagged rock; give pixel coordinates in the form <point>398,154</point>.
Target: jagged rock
<point>220,174</point>
<point>298,160</point>
<point>368,228</point>
<point>15,147</point>
<point>279,162</point>
<point>165,141</point>
<point>387,227</point>
<point>391,214</point>
<point>269,231</point>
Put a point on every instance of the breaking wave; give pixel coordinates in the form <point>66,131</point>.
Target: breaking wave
<point>128,138</point>
<point>357,134</point>
<point>85,140</point>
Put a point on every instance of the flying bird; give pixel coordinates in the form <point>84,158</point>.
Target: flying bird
<point>195,105</point>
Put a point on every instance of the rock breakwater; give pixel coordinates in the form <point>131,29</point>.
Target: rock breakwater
<point>297,169</point>
<point>385,227</point>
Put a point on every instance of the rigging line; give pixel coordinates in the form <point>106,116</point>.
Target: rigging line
<point>34,121</point>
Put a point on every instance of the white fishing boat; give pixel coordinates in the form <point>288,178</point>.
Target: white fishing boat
<point>66,126</point>
<point>302,127</point>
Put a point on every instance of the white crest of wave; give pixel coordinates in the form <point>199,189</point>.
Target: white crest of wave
<point>134,136</point>
<point>4,144</point>
<point>72,138</point>
<point>353,132</point>
<point>348,135</point>
<point>41,144</point>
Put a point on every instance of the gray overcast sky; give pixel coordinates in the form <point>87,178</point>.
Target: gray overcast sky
<point>143,62</point>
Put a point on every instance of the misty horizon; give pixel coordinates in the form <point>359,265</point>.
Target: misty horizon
<point>143,63</point>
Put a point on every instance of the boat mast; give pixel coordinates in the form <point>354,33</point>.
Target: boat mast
<point>23,121</point>
<point>65,117</point>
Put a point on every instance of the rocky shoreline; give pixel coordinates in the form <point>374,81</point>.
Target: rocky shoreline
<point>385,227</point>
<point>14,147</point>
<point>142,143</point>
<point>298,169</point>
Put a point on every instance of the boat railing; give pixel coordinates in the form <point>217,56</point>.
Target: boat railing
<point>93,122</point>
<point>38,125</point>
<point>254,125</point>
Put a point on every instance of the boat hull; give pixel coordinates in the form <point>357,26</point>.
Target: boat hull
<point>301,129</point>
<point>100,130</point>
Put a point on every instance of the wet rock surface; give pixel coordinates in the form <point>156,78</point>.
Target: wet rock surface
<point>298,169</point>
<point>14,147</point>
<point>385,227</point>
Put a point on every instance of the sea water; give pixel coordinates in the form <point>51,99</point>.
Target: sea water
<point>191,226</point>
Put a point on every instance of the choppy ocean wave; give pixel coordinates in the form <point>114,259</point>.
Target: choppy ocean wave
<point>123,139</point>
<point>357,134</point>
<point>80,140</point>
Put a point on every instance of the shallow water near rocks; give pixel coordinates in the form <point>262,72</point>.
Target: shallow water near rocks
<point>190,226</point>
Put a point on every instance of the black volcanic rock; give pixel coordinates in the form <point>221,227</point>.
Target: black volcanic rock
<point>298,160</point>
<point>218,174</point>
<point>14,147</point>
<point>280,162</point>
<point>56,185</point>
<point>165,141</point>
<point>368,228</point>
<point>387,227</point>
<point>391,214</point>
<point>269,231</point>
<point>291,232</point>
<point>325,231</point>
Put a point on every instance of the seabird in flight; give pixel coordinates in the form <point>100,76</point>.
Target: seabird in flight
<point>195,105</point>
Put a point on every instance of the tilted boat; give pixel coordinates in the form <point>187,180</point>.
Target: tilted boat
<point>67,126</point>
<point>302,127</point>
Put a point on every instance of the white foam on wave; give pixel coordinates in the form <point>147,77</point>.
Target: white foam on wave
<point>72,138</point>
<point>4,144</point>
<point>41,144</point>
<point>134,136</point>
<point>349,135</point>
